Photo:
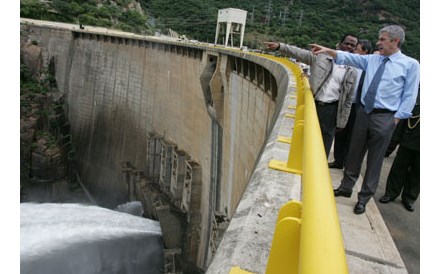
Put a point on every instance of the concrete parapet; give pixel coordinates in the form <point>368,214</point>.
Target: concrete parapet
<point>246,243</point>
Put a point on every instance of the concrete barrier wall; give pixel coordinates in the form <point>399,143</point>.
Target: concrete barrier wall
<point>120,89</point>
<point>119,93</point>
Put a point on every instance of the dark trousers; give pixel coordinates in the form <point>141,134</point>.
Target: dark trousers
<point>371,132</point>
<point>327,122</point>
<point>342,138</point>
<point>404,175</point>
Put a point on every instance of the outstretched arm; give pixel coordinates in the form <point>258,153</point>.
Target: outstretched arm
<point>317,49</point>
<point>302,55</point>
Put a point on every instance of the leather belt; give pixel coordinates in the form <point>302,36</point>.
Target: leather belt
<point>326,104</point>
<point>380,110</point>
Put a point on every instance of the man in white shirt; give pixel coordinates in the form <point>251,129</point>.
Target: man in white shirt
<point>332,85</point>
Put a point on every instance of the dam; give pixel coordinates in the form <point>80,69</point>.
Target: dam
<point>190,119</point>
<point>188,129</point>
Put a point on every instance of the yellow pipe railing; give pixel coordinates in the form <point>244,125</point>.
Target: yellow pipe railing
<point>307,237</point>
<point>294,162</point>
<point>321,248</point>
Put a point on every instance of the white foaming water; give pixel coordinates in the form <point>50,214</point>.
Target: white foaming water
<point>89,239</point>
<point>133,208</point>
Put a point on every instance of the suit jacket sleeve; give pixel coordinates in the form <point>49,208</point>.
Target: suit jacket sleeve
<point>302,55</point>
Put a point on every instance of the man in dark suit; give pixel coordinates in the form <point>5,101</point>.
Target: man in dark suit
<point>405,171</point>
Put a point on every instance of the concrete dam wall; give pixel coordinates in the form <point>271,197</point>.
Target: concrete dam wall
<point>178,126</point>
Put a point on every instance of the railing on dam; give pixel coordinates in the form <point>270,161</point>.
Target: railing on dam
<point>307,237</point>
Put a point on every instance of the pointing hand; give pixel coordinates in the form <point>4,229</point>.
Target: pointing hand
<point>272,45</point>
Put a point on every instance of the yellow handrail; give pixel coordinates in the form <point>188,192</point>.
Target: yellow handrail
<point>321,248</point>
<point>315,237</point>
<point>307,237</point>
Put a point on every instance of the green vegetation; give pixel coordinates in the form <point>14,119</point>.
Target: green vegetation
<point>33,91</point>
<point>101,13</point>
<point>29,86</point>
<point>298,22</point>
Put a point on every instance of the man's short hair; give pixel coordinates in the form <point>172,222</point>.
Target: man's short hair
<point>365,45</point>
<point>394,31</point>
<point>345,36</point>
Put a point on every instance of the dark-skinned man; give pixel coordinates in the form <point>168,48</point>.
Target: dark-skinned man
<point>332,85</point>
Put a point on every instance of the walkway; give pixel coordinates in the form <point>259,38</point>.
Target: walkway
<point>404,226</point>
<point>367,236</point>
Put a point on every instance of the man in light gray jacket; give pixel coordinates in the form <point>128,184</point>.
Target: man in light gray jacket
<point>332,85</point>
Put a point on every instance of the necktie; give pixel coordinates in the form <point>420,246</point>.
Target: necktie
<point>372,90</point>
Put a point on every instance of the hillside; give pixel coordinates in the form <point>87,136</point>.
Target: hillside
<point>298,22</point>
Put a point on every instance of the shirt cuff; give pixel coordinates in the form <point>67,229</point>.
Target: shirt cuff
<point>400,114</point>
<point>281,46</point>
